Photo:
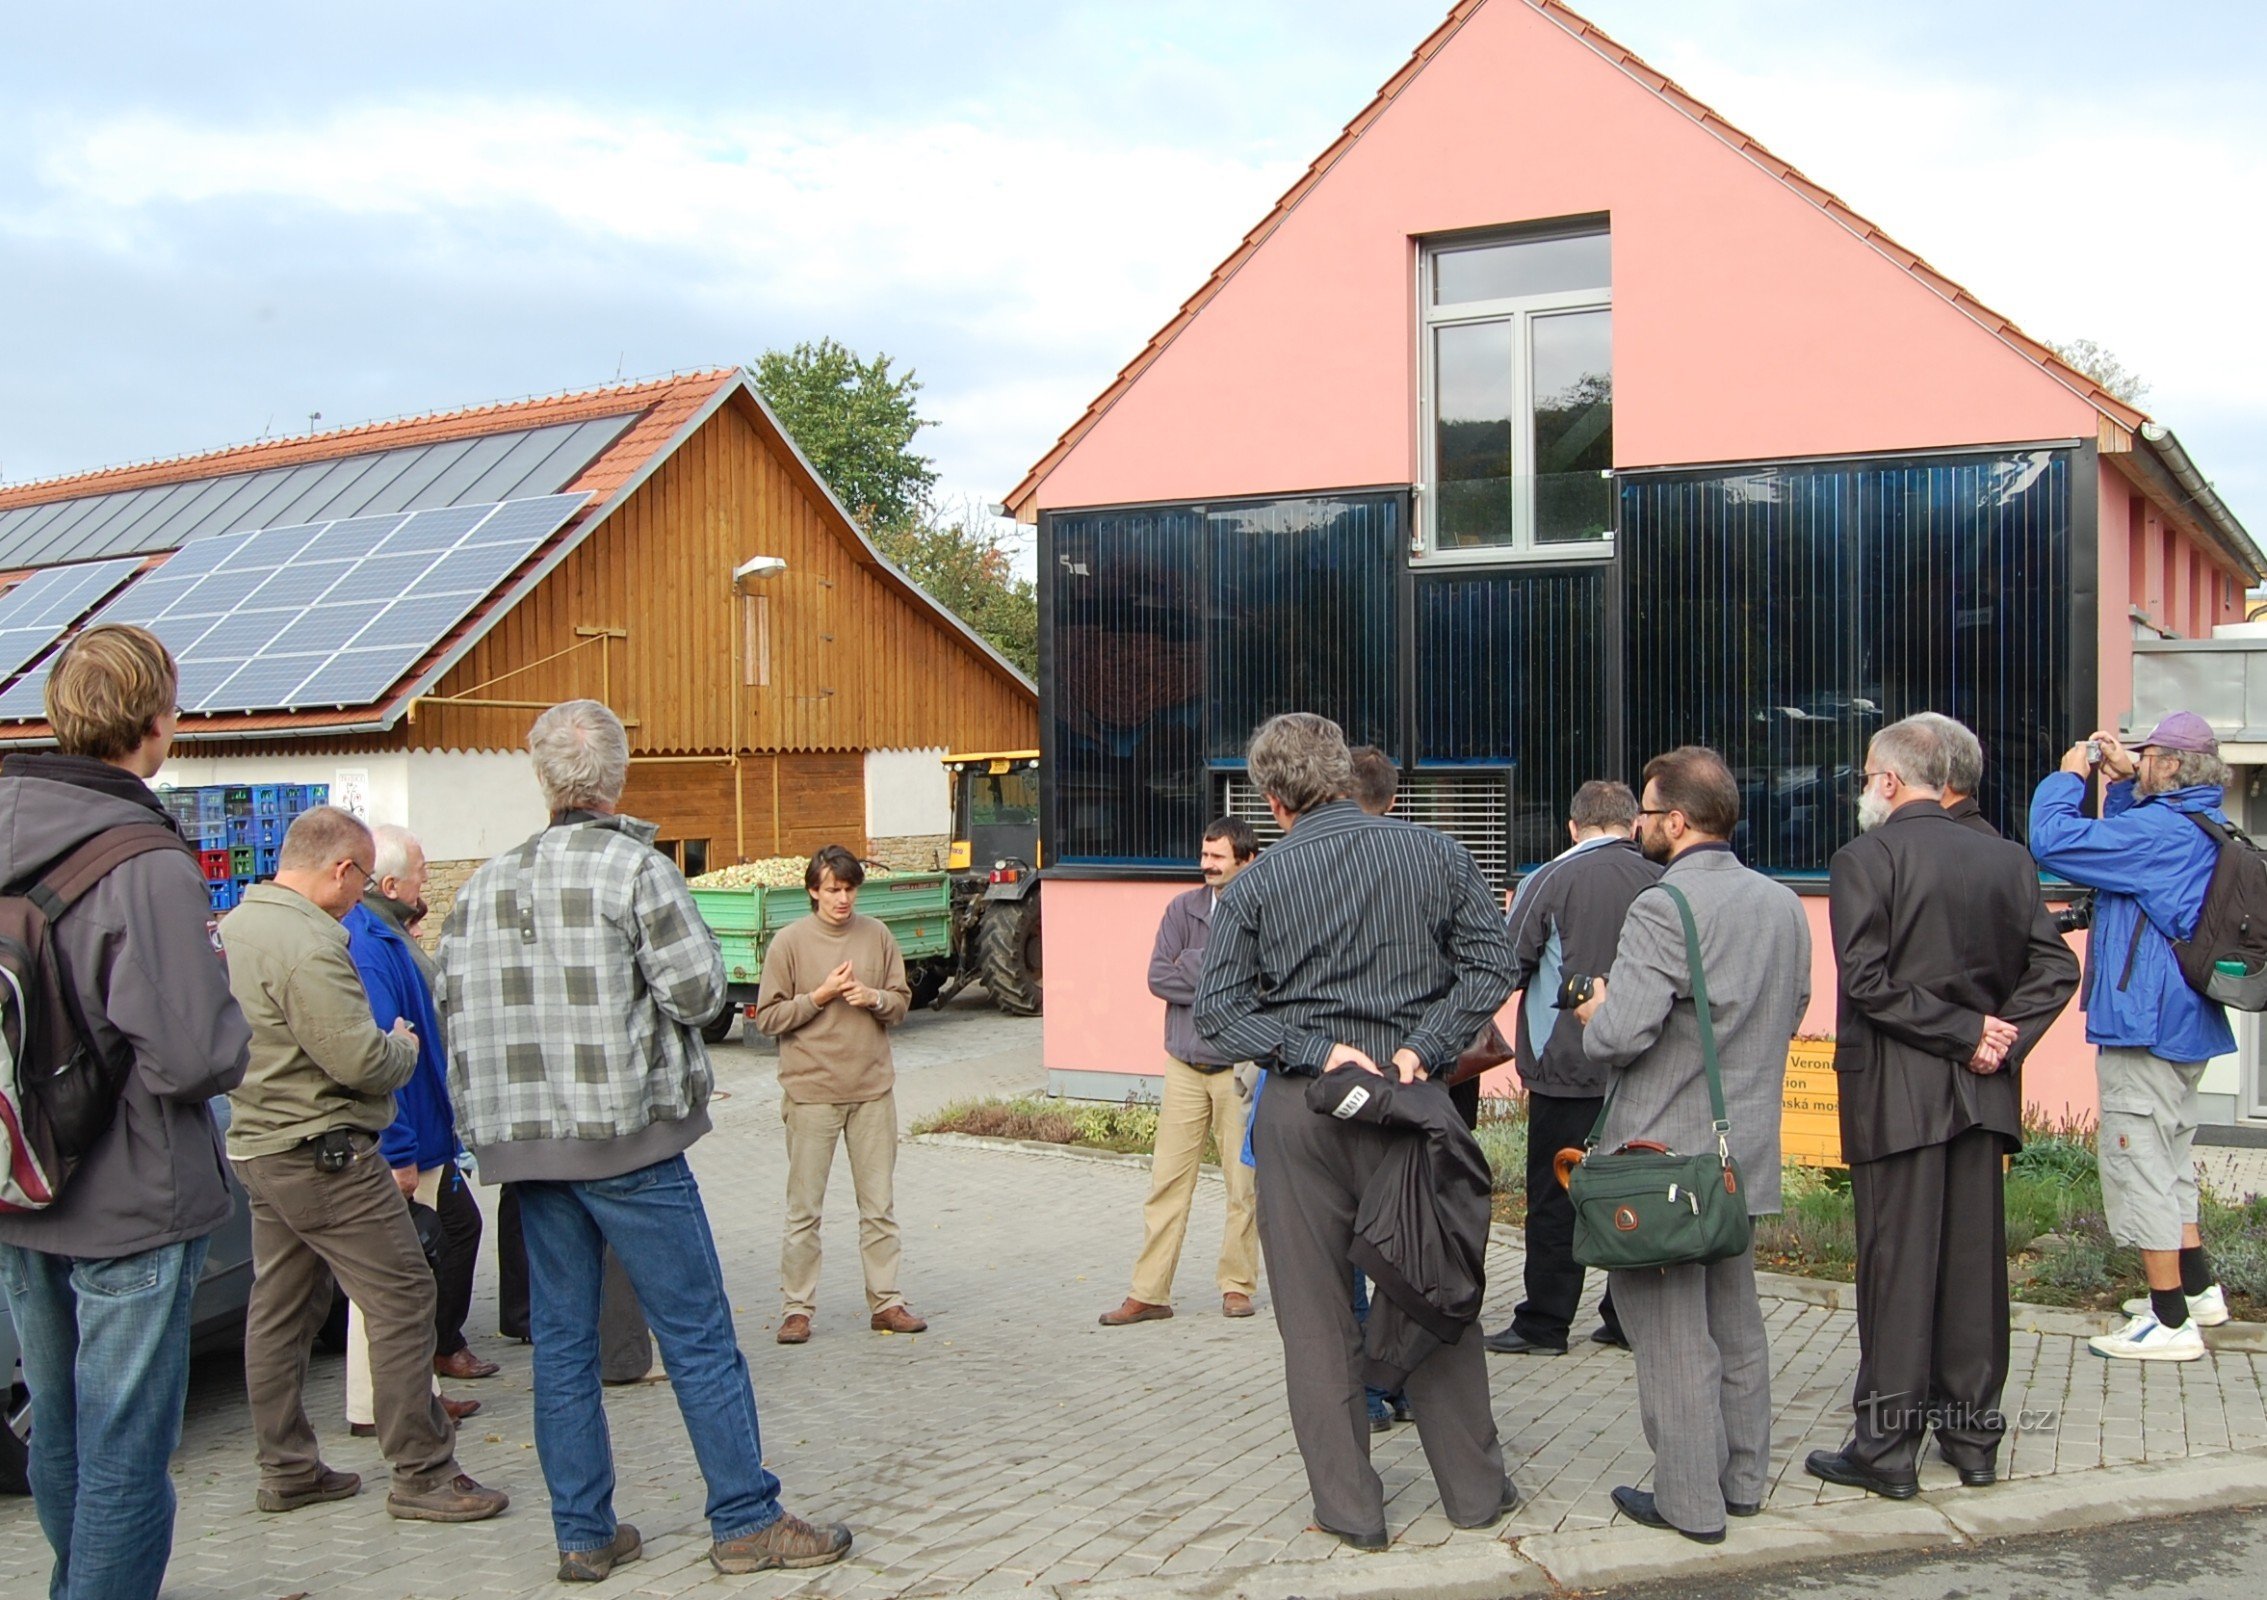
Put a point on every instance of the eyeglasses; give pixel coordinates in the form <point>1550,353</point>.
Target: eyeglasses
<point>1667,812</point>
<point>369,876</point>
<point>1866,778</point>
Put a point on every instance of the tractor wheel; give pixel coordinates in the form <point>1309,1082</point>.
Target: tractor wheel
<point>715,1029</point>
<point>1008,943</point>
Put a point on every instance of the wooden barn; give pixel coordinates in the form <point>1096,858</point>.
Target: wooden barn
<point>385,608</point>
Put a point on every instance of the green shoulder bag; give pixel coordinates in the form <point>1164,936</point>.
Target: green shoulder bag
<point>1646,1206</point>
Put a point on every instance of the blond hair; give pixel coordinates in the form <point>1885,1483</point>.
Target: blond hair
<point>107,690</point>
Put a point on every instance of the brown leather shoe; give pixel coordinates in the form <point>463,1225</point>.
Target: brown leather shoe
<point>362,1430</point>
<point>458,1410</point>
<point>897,1319</point>
<point>789,1542</point>
<point>1234,1304</point>
<point>589,1566</point>
<point>329,1484</point>
<point>458,1500</point>
<point>464,1365</point>
<point>1135,1311</point>
<point>794,1330</point>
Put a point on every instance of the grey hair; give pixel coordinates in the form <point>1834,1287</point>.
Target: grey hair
<point>2192,767</point>
<point>390,848</point>
<point>1301,759</point>
<point>582,756</point>
<point>1963,751</point>
<point>1603,803</point>
<point>319,838</point>
<point>1916,751</point>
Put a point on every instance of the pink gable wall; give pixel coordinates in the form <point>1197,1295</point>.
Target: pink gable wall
<point>1747,323</point>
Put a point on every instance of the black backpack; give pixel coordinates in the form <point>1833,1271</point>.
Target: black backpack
<point>2231,930</point>
<point>57,1096</point>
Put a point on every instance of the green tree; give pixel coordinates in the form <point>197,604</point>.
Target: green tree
<point>2102,365</point>
<point>856,421</point>
<point>962,562</point>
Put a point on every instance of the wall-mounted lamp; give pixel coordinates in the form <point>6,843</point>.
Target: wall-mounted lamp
<point>755,569</point>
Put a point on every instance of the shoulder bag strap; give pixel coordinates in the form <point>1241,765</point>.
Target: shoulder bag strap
<point>1704,1012</point>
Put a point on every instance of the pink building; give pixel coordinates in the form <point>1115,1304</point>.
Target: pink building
<point>1547,422</point>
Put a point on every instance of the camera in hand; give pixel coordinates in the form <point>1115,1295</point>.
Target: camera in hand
<point>1575,989</point>
<point>2076,916</point>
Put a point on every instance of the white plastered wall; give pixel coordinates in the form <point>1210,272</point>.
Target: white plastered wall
<point>907,793</point>
<point>463,805</point>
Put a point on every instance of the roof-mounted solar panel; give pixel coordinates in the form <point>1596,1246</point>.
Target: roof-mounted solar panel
<point>320,614</point>
<point>42,608</point>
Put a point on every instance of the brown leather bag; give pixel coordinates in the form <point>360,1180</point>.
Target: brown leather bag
<point>1488,1049</point>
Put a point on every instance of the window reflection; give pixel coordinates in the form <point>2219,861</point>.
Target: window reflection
<point>1573,365</point>
<point>1518,268</point>
<point>1474,401</point>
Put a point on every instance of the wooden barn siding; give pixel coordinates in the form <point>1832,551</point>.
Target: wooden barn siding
<point>790,804</point>
<point>660,567</point>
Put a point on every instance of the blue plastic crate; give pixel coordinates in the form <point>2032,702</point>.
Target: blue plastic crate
<point>267,799</point>
<point>211,835</point>
<point>241,832</point>
<point>224,895</point>
<point>318,794</point>
<point>264,861</point>
<point>212,804</point>
<point>267,832</point>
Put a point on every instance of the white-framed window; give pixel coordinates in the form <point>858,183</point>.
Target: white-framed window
<point>1515,365</point>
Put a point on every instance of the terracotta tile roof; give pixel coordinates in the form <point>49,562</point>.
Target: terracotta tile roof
<point>436,428</point>
<point>1020,499</point>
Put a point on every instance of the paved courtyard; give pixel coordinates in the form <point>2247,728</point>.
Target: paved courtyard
<point>1018,1447</point>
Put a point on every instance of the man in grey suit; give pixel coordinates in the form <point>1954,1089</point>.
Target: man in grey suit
<point>1703,1367</point>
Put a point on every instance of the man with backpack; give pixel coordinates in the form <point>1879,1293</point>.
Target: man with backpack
<point>2151,863</point>
<point>99,1282</point>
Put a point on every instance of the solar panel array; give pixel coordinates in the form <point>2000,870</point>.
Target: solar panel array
<point>36,612</point>
<point>321,614</point>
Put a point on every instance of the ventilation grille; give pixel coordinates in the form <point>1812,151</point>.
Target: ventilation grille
<point>1473,808</point>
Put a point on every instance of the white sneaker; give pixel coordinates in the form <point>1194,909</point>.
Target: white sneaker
<point>2206,1310</point>
<point>2147,1339</point>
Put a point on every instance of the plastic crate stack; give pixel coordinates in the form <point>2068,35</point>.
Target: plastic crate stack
<point>238,829</point>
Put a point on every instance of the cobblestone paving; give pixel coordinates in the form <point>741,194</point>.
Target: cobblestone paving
<point>1017,1443</point>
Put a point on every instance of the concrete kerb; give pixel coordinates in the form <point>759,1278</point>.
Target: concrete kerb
<point>1599,1558</point>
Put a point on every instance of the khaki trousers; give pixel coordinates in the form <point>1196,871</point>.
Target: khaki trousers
<point>869,1130</point>
<point>1194,1103</point>
<point>358,1407</point>
<point>309,1226</point>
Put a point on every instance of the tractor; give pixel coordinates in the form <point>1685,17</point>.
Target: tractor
<point>994,863</point>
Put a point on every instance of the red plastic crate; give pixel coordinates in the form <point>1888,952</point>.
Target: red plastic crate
<point>214,864</point>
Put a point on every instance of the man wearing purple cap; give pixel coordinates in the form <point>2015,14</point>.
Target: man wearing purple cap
<point>2150,865</point>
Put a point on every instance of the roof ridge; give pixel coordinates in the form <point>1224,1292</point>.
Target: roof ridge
<point>610,399</point>
<point>1670,92</point>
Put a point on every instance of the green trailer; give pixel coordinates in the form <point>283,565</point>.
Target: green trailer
<point>916,907</point>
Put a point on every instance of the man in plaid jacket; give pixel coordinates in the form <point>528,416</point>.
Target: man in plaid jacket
<point>576,974</point>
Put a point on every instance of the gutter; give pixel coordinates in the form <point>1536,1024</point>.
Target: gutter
<point>2203,498</point>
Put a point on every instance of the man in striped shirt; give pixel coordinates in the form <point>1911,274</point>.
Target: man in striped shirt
<point>1359,941</point>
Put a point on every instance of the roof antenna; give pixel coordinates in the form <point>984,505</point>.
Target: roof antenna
<point>620,356</point>
<point>313,417</point>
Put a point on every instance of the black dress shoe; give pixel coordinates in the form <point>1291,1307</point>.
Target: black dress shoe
<point>1970,1477</point>
<point>1835,1467</point>
<point>1511,1342</point>
<point>1361,1541</point>
<point>1638,1506</point>
<point>1609,1336</point>
<point>1743,1508</point>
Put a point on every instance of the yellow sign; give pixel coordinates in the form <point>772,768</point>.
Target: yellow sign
<point>1810,1119</point>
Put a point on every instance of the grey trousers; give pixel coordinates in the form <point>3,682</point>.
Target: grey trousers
<point>1311,1173</point>
<point>1703,1385</point>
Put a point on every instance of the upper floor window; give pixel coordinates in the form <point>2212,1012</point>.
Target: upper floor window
<point>1517,370</point>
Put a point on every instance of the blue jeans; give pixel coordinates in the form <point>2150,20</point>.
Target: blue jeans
<point>653,1219</point>
<point>106,1357</point>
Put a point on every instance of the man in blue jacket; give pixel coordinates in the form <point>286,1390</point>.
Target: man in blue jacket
<point>421,1144</point>
<point>2150,865</point>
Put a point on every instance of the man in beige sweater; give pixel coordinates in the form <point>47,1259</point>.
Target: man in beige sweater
<point>833,985</point>
<point>304,1140</point>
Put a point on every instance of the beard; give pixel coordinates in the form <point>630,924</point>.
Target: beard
<point>2155,781</point>
<point>1654,845</point>
<point>1873,811</point>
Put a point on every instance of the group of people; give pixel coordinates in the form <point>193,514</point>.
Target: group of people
<point>557,1038</point>
<point>1364,944</point>
<point>1352,967</point>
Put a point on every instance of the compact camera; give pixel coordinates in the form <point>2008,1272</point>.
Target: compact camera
<point>1575,989</point>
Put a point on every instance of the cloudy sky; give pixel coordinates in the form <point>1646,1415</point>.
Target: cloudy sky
<point>217,220</point>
